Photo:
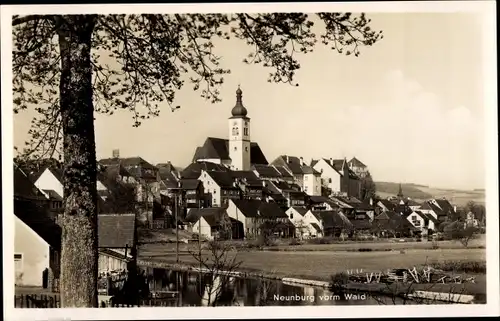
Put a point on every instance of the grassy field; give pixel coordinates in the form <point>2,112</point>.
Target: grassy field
<point>381,245</point>
<point>320,265</point>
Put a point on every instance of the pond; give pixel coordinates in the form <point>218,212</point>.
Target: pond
<point>196,289</point>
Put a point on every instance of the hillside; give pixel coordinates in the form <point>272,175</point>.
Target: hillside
<point>421,192</point>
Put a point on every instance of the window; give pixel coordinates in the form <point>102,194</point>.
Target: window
<point>235,131</point>
<point>291,216</point>
<point>305,188</point>
<point>305,177</point>
<point>215,191</point>
<point>235,149</point>
<point>246,149</point>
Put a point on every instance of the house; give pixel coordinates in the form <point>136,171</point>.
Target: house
<point>269,172</point>
<point>254,214</point>
<point>219,187</point>
<point>332,223</point>
<point>312,181</point>
<point>193,192</point>
<point>292,192</point>
<point>237,152</point>
<point>358,167</point>
<point>470,220</point>
<point>272,195</point>
<point>440,210</point>
<point>386,205</point>
<point>37,245</point>
<point>314,224</point>
<point>337,178</point>
<point>117,243</point>
<point>214,223</point>
<point>249,184</point>
<point>293,165</point>
<point>423,222</point>
<point>37,238</point>
<point>194,170</point>
<point>304,228</point>
<point>389,223</point>
<point>321,203</point>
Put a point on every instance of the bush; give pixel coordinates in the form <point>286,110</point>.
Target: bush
<point>364,249</point>
<point>337,281</point>
<point>295,242</point>
<point>461,266</point>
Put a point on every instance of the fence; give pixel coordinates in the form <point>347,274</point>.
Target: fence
<point>43,301</point>
<point>37,301</point>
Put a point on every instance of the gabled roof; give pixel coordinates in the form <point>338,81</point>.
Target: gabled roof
<point>223,179</point>
<point>388,204</point>
<point>128,162</point>
<point>194,169</point>
<point>318,199</point>
<point>166,167</point>
<point>425,206</point>
<point>293,163</point>
<point>309,170</point>
<point>256,208</point>
<point>300,209</point>
<point>24,187</point>
<point>189,183</point>
<point>391,220</point>
<point>247,177</point>
<point>333,219</point>
<point>283,171</point>
<point>445,205</point>
<point>37,218</point>
<point>267,171</point>
<point>218,148</point>
<point>211,215</point>
<point>116,230</point>
<point>316,227</point>
<point>53,195</point>
<point>356,162</point>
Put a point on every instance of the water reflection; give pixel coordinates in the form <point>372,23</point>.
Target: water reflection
<point>196,289</point>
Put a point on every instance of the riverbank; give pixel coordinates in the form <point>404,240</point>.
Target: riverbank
<point>321,265</point>
<point>459,291</point>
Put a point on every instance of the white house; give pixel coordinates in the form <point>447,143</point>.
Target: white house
<point>358,167</point>
<point>50,182</point>
<point>422,221</point>
<point>312,181</point>
<point>314,223</point>
<point>37,244</point>
<point>330,171</point>
<point>296,216</point>
<point>210,223</point>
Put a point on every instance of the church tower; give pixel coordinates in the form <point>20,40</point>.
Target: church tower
<point>239,136</point>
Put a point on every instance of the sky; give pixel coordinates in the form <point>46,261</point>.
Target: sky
<point>411,107</point>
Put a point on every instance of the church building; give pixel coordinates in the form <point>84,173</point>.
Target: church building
<point>238,152</point>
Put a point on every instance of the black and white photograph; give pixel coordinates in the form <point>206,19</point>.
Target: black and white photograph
<point>192,160</point>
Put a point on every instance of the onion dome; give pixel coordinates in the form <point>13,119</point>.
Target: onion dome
<point>239,110</point>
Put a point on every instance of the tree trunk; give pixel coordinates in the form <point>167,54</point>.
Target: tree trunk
<point>79,259</point>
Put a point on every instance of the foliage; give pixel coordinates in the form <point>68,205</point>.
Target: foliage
<point>140,61</point>
<point>461,266</point>
<point>459,231</point>
<point>479,211</point>
<point>368,187</point>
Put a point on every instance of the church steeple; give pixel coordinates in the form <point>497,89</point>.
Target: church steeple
<point>400,193</point>
<point>239,110</point>
<point>239,135</point>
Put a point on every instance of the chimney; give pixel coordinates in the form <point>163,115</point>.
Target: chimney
<point>331,161</point>
<point>371,201</point>
<point>455,208</point>
<point>287,159</point>
<point>116,153</point>
<point>302,161</point>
